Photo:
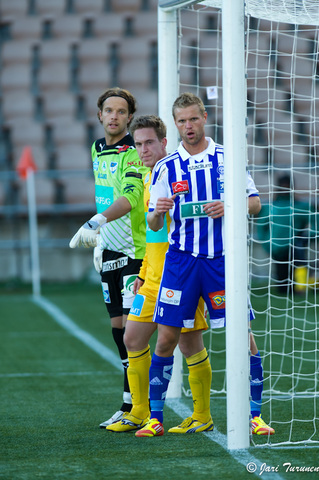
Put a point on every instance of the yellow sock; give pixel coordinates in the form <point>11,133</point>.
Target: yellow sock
<point>138,377</point>
<point>300,275</point>
<point>200,379</point>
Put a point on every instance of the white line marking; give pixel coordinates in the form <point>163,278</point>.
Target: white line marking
<point>242,456</point>
<point>65,322</point>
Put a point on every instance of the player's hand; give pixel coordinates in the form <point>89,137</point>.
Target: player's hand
<point>98,255</point>
<point>86,235</point>
<point>137,285</point>
<point>214,209</point>
<point>164,204</point>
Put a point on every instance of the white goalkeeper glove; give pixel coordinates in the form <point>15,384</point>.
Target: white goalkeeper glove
<point>86,235</point>
<point>98,255</point>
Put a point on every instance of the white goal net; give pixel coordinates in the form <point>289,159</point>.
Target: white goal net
<point>282,68</point>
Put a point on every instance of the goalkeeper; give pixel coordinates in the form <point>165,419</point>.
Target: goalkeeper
<point>120,220</point>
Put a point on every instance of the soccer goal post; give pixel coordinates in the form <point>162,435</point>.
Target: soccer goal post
<point>280,108</point>
<point>234,94</point>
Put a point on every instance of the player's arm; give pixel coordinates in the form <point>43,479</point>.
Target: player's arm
<point>254,205</point>
<point>118,209</point>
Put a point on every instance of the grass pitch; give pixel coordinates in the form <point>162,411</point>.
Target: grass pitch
<point>55,390</point>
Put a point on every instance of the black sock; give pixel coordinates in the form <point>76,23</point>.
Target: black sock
<point>118,334</point>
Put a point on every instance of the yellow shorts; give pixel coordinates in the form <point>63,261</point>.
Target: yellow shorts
<point>143,308</point>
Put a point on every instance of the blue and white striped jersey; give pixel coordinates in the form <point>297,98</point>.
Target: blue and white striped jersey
<point>196,180</point>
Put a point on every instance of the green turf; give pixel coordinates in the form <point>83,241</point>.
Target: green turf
<point>54,392</point>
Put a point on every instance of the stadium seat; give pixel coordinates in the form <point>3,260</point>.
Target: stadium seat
<point>50,7</point>
<point>94,74</point>
<point>73,157</point>
<point>55,50</point>
<point>68,132</point>
<point>26,133</point>
<point>134,48</point>
<point>121,6</point>
<point>83,6</point>
<point>59,105</point>
<point>16,51</point>
<point>147,101</point>
<point>17,103</point>
<point>15,76</point>
<point>54,76</point>
<point>109,25</point>
<point>144,24</point>
<point>93,49</point>
<point>26,28</point>
<point>134,73</point>
<point>12,8</point>
<point>79,190</point>
<point>68,26</point>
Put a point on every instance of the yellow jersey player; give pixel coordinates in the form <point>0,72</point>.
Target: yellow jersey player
<point>149,134</point>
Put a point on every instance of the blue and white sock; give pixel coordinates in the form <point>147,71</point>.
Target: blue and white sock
<point>256,384</point>
<point>160,375</point>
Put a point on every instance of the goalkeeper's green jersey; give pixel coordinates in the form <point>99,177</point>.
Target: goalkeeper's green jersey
<point>119,172</point>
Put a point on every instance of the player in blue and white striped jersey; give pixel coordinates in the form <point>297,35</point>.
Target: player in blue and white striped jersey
<point>194,180</point>
<point>189,184</point>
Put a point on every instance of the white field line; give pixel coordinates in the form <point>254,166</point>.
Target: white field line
<point>243,457</point>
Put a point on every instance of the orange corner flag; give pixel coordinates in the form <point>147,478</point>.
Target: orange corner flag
<point>26,163</point>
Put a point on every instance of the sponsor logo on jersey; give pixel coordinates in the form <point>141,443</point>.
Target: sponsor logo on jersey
<point>170,296</point>
<point>129,189</point>
<point>103,201</point>
<point>102,175</point>
<point>217,299</point>
<point>128,282</point>
<point>123,148</point>
<point>135,164</point>
<point>193,210</point>
<point>137,305</point>
<point>95,164</point>
<point>103,166</point>
<point>106,292</point>
<point>199,166</point>
<point>111,265</point>
<point>220,186</point>
<point>181,187</point>
<point>113,167</point>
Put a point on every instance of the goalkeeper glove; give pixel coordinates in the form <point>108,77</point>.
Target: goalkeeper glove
<point>98,255</point>
<point>86,235</point>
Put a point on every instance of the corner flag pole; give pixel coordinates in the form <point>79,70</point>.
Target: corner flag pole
<point>26,168</point>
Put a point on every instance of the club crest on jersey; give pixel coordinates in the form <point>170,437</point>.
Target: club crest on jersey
<point>181,187</point>
<point>113,167</point>
<point>217,299</point>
